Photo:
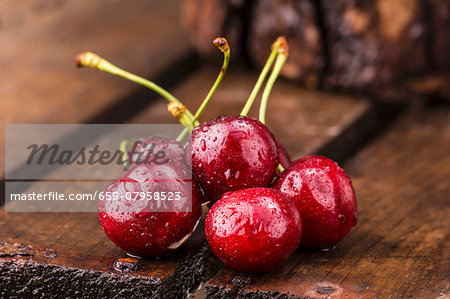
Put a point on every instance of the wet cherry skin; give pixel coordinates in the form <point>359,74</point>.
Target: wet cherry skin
<point>231,153</point>
<point>170,147</point>
<point>283,156</point>
<point>324,195</point>
<point>253,230</point>
<point>134,226</point>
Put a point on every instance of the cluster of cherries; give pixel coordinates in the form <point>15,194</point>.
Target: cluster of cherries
<point>263,205</point>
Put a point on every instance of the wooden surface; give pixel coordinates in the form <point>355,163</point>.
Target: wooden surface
<point>40,39</point>
<point>400,247</point>
<point>67,254</point>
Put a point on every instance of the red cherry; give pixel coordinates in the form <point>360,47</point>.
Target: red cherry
<point>231,153</point>
<point>283,156</point>
<point>324,195</point>
<point>134,226</point>
<point>147,147</point>
<point>172,149</point>
<point>253,230</point>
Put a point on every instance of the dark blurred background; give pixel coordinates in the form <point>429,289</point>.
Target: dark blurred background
<point>391,50</point>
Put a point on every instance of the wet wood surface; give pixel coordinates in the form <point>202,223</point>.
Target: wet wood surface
<point>400,247</point>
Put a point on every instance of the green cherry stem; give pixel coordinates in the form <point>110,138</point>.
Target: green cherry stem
<point>92,60</point>
<point>123,148</point>
<point>283,52</point>
<point>261,78</point>
<point>222,44</point>
<point>281,59</point>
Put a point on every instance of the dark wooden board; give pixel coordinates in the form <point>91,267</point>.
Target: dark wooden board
<point>67,254</point>
<point>39,81</point>
<point>400,247</point>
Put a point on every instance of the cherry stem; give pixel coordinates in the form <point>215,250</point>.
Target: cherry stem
<point>181,136</point>
<point>178,111</point>
<point>261,78</point>
<point>283,52</point>
<point>92,60</point>
<point>222,44</point>
<point>123,148</point>
<point>281,59</point>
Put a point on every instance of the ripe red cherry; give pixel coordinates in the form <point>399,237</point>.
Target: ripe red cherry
<point>172,149</point>
<point>134,226</point>
<point>231,153</point>
<point>152,144</point>
<point>253,230</point>
<point>283,156</point>
<point>324,195</point>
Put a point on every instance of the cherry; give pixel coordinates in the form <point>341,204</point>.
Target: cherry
<point>283,156</point>
<point>147,147</point>
<point>150,227</point>
<point>237,152</point>
<point>253,230</point>
<point>324,195</point>
<point>246,155</point>
<point>231,153</point>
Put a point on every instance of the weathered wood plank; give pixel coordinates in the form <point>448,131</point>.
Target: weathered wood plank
<point>401,245</point>
<point>40,39</point>
<point>67,254</point>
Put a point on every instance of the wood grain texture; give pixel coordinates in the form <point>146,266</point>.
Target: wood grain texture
<point>39,82</point>
<point>401,245</point>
